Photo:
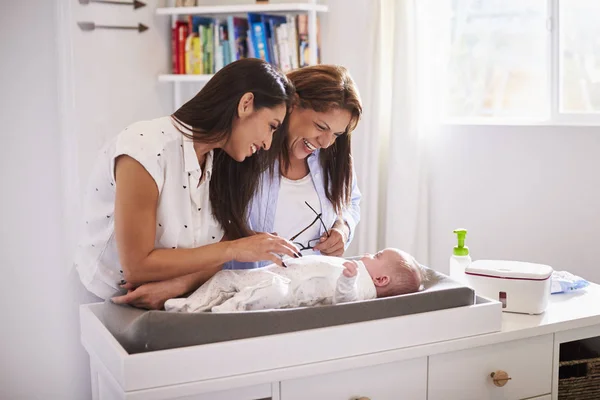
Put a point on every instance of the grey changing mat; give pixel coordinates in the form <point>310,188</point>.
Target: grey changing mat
<point>142,331</point>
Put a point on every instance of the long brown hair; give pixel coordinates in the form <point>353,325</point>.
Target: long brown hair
<point>211,113</point>
<point>323,88</point>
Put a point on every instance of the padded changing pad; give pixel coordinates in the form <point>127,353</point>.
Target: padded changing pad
<point>142,331</point>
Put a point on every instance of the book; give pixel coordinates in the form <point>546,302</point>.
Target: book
<point>231,34</point>
<point>259,38</point>
<point>292,36</point>
<point>203,26</point>
<point>182,33</point>
<point>174,58</point>
<point>218,47</point>
<point>303,52</point>
<point>272,22</point>
<point>268,25</point>
<point>193,46</point>
<point>209,49</point>
<point>237,29</point>
<point>250,44</point>
<point>193,55</point>
<point>285,58</point>
<point>224,38</point>
<point>203,45</point>
<point>222,48</point>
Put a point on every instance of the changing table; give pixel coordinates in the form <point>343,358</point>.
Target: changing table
<point>437,355</point>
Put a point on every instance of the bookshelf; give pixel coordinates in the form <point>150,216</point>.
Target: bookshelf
<point>309,7</point>
<point>243,8</point>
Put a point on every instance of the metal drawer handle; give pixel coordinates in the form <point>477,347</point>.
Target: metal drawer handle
<point>500,378</point>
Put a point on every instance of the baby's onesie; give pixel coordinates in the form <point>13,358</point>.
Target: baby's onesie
<point>307,281</point>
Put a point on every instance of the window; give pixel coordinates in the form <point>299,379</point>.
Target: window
<point>512,61</point>
<point>579,56</point>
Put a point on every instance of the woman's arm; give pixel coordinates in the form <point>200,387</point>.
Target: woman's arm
<point>135,228</point>
<point>153,295</point>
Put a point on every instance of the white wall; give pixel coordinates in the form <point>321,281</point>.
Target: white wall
<point>345,41</point>
<point>114,74</point>
<point>524,193</point>
<point>64,92</point>
<point>35,352</point>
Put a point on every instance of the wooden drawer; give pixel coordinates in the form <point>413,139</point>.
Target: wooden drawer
<point>405,380</point>
<point>465,374</point>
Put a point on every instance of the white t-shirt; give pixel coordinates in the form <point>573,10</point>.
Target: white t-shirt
<point>183,217</point>
<point>293,215</point>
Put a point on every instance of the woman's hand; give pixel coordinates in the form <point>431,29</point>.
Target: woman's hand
<point>333,245</point>
<point>262,246</point>
<point>151,296</point>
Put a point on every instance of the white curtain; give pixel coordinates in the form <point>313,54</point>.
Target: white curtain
<point>399,118</point>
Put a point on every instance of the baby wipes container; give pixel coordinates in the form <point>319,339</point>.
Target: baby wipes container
<point>521,287</point>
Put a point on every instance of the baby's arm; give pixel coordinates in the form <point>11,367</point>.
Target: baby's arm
<point>346,289</point>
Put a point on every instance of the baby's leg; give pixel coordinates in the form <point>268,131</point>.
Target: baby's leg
<point>218,289</point>
<point>269,294</point>
<point>215,291</point>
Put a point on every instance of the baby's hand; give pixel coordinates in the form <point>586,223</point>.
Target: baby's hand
<point>350,269</point>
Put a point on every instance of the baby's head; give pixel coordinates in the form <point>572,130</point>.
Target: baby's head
<point>393,272</point>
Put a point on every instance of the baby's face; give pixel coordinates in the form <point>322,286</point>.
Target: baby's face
<point>381,263</point>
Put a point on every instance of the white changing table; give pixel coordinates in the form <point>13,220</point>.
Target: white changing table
<point>375,366</point>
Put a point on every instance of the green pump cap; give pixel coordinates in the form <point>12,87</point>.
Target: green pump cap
<point>461,249</point>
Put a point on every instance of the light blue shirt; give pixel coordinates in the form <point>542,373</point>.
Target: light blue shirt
<point>264,205</point>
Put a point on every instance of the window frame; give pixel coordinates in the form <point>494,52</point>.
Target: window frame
<point>554,64</point>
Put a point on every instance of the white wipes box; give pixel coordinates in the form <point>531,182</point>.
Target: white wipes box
<point>521,287</point>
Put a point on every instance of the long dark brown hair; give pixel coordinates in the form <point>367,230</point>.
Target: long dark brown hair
<point>210,115</point>
<point>323,88</point>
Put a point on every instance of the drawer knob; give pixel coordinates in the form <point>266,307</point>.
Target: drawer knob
<point>363,398</point>
<point>500,378</point>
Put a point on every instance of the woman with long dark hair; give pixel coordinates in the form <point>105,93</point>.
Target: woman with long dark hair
<point>168,198</point>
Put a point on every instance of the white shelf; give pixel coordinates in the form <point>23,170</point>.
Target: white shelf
<point>308,6</point>
<point>184,78</point>
<point>242,8</point>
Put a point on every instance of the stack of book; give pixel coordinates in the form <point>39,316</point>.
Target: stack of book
<point>203,45</point>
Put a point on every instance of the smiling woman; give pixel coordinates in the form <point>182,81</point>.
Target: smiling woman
<point>168,198</point>
<point>313,171</point>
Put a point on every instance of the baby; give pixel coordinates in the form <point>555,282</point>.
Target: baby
<point>307,281</point>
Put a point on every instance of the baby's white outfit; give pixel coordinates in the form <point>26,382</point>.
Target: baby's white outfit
<point>307,281</point>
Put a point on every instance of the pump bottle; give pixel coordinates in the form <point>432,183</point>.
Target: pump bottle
<point>460,258</point>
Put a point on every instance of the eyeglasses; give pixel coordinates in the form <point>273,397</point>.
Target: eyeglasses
<point>313,242</point>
